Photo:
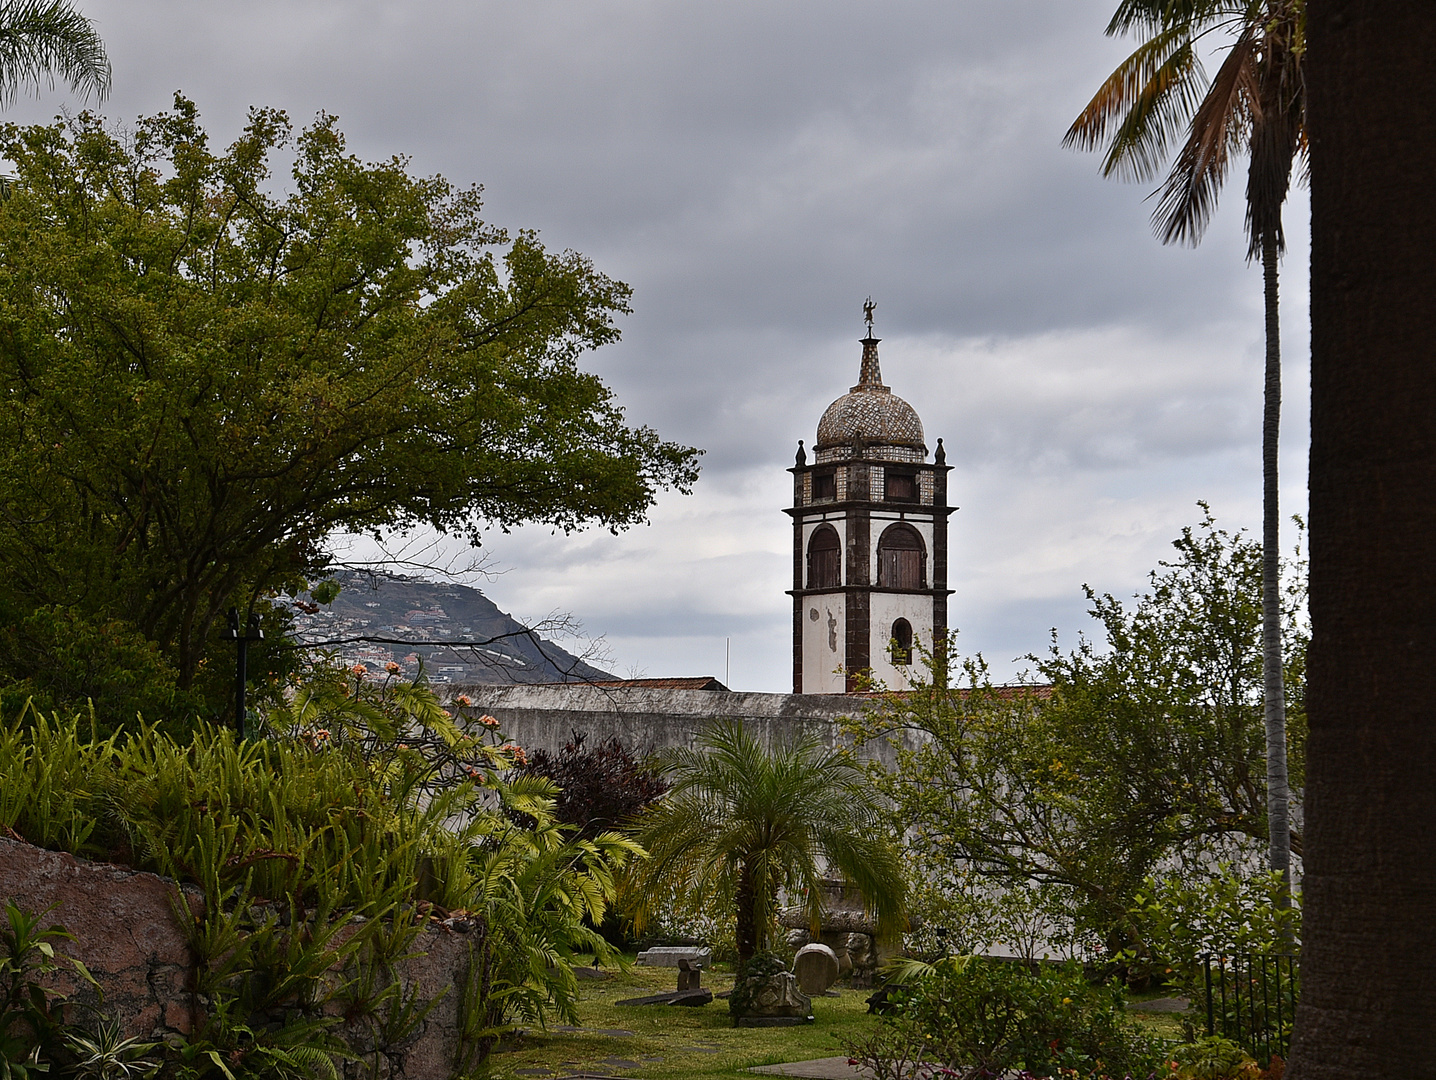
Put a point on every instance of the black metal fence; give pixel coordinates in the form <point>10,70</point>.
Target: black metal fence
<point>1251,999</point>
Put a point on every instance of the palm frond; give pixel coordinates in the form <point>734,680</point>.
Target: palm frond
<point>1153,16</point>
<point>1149,96</point>
<point>1219,127</point>
<point>1278,130</point>
<point>43,39</point>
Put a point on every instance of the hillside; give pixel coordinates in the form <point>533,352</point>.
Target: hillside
<point>408,609</point>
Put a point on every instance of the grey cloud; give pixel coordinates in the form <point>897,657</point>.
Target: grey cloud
<point>754,169</point>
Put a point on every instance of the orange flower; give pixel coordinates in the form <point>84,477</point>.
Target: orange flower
<point>359,670</point>
<point>463,701</point>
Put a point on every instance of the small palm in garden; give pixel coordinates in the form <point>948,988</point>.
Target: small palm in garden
<point>745,823</point>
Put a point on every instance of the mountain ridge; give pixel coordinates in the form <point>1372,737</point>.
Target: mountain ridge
<point>450,632</point>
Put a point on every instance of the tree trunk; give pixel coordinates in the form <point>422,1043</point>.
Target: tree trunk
<point>746,930</point>
<point>1273,690</point>
<point>1368,1005</point>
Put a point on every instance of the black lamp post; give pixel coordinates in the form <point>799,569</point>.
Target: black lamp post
<point>241,638</point>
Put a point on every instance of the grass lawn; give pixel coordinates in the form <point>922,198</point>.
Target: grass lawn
<point>669,1042</point>
<point>672,1041</point>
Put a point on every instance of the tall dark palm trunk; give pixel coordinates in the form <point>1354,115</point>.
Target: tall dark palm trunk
<point>1368,967</point>
<point>1273,688</point>
<point>1277,118</point>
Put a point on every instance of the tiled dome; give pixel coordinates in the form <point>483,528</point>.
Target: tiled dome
<point>870,412</point>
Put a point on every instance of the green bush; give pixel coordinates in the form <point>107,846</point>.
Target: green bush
<point>1229,915</point>
<point>1215,1058</point>
<point>1182,920</point>
<point>319,849</point>
<point>985,1018</point>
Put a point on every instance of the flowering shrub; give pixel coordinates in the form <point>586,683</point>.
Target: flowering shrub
<point>396,725</point>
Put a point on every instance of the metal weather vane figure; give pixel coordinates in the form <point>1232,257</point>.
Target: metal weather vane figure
<point>868,308</point>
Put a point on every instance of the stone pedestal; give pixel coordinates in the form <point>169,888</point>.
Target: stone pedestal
<point>773,1001</point>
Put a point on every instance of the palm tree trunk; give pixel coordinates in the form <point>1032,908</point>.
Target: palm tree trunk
<point>1368,957</point>
<point>746,930</point>
<point>1273,690</point>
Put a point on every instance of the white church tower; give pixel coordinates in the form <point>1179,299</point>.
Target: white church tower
<point>869,539</point>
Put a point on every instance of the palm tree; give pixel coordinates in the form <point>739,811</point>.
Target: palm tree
<point>43,39</point>
<point>1257,104</point>
<point>745,823</point>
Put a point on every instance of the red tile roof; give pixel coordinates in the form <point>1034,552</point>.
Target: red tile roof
<point>699,682</point>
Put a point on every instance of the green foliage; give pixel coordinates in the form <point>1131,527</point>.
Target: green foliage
<point>987,1018</point>
<point>106,1054</point>
<point>316,856</point>
<point>64,661</point>
<point>744,824</point>
<point>1240,919</point>
<point>31,1028</point>
<point>1215,1058</point>
<point>42,39</point>
<point>1221,914</point>
<point>1148,752</point>
<point>204,377</point>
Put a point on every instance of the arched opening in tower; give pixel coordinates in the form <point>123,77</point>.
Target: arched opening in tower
<point>902,560</point>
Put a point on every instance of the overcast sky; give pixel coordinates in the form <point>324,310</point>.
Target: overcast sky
<point>754,170</point>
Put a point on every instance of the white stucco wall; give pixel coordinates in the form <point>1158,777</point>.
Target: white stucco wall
<point>886,609</point>
<point>824,634</point>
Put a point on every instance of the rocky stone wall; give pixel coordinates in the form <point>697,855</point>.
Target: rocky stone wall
<point>130,937</point>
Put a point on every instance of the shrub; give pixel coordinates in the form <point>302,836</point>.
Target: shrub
<point>30,1025</point>
<point>1232,916</point>
<point>1181,920</point>
<point>1215,1058</point>
<point>985,1018</point>
<point>66,662</point>
<point>601,787</point>
<point>365,797</point>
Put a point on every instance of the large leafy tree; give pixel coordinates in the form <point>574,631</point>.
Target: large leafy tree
<point>42,39</point>
<point>203,376</point>
<point>1256,104</point>
<point>1142,755</point>
<point>745,823</point>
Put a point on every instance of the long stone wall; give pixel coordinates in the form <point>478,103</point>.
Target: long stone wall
<point>647,719</point>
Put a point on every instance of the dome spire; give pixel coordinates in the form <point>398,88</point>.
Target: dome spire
<point>870,414</point>
<point>870,375</point>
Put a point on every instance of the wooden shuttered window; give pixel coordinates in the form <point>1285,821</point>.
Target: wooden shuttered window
<point>901,559</point>
<point>825,559</point>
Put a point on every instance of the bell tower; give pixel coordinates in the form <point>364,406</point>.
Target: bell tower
<point>869,539</point>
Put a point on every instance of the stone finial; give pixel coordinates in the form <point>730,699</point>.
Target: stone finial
<point>802,458</point>
<point>940,455</point>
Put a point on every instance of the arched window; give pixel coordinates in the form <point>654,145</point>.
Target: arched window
<point>902,643</point>
<point>825,559</point>
<point>902,562</point>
